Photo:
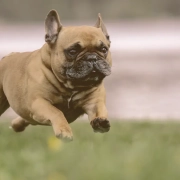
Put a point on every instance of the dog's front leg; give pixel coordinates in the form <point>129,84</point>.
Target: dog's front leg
<point>45,113</point>
<point>97,115</point>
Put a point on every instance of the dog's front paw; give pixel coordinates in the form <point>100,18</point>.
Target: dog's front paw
<point>65,134</point>
<point>100,125</point>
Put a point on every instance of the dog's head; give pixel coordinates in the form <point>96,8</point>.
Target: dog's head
<point>79,54</point>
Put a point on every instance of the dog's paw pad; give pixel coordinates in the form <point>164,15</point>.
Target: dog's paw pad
<point>100,125</point>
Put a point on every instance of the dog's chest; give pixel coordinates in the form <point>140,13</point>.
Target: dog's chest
<point>68,101</point>
<point>71,106</point>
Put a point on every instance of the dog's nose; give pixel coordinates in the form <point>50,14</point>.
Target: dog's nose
<point>92,57</point>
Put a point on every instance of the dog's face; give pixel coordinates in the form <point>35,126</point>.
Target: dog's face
<point>79,54</point>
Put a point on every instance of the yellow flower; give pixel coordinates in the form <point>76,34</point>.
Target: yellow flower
<point>54,144</point>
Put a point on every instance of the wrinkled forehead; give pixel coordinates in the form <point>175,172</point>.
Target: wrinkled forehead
<point>85,35</point>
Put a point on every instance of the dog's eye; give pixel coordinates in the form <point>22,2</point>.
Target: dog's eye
<point>104,50</point>
<point>72,52</point>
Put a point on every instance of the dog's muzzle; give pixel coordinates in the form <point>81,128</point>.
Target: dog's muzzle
<point>90,67</point>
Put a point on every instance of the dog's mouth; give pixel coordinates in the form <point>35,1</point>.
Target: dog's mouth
<point>88,72</point>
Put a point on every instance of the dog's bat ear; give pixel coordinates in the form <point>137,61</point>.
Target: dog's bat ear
<point>100,24</point>
<point>52,27</point>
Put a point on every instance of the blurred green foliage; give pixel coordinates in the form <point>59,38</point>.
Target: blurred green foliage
<point>130,151</point>
<point>32,10</point>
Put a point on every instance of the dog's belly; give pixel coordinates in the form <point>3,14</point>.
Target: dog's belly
<point>70,113</point>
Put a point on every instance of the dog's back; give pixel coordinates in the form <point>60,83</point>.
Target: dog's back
<point>9,68</point>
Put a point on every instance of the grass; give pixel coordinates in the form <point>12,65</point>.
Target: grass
<point>130,151</point>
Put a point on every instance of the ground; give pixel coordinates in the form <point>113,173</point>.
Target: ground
<point>130,151</point>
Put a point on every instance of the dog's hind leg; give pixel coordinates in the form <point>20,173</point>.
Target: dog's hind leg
<point>19,124</point>
<point>4,104</point>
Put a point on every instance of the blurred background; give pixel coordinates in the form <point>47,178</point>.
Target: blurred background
<point>144,85</point>
<point>145,35</point>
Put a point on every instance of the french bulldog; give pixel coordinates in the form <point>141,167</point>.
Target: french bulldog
<point>61,81</point>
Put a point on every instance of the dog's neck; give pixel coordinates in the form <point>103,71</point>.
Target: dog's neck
<point>46,55</point>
